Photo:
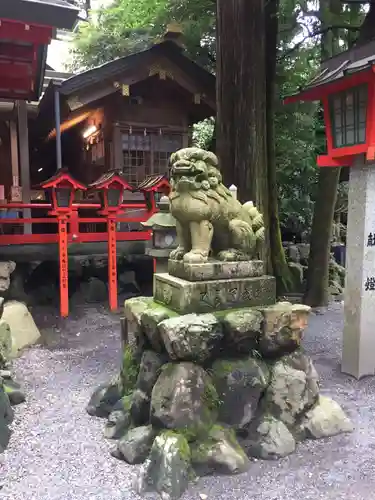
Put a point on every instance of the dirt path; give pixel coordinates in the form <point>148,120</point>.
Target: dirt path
<point>57,452</point>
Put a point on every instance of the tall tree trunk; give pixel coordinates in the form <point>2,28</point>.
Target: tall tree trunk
<point>241,101</point>
<point>317,293</point>
<point>279,263</point>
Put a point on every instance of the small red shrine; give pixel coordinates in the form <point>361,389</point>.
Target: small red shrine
<point>346,87</point>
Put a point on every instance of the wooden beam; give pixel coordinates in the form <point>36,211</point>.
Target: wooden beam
<point>23,136</point>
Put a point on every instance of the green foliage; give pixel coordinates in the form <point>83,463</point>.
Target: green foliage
<point>129,371</point>
<point>203,133</point>
<point>128,26</point>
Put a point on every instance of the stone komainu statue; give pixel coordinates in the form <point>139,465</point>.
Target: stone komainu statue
<point>209,220</point>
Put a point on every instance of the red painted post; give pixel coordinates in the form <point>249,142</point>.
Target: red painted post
<point>112,262</point>
<point>74,224</point>
<point>63,261</point>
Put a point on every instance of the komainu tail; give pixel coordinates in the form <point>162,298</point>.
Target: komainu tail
<point>257,222</point>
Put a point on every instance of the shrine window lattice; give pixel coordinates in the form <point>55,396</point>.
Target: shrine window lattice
<point>147,153</point>
<point>348,116</point>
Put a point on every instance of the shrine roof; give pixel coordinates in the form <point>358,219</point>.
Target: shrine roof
<point>167,49</point>
<point>107,178</point>
<point>152,182</point>
<point>353,61</point>
<point>55,13</point>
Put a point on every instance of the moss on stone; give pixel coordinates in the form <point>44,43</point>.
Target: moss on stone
<point>211,397</point>
<point>129,371</point>
<point>127,402</point>
<point>182,443</point>
<point>155,306</point>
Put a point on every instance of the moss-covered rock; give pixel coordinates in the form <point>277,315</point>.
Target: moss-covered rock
<point>6,418</point>
<point>240,385</point>
<point>192,337</point>
<point>219,452</point>
<point>150,320</point>
<point>149,370</point>
<point>5,343</point>
<point>103,400</point>
<point>283,328</point>
<point>168,468</point>
<point>140,408</point>
<point>14,391</point>
<point>293,388</point>
<point>325,419</point>
<point>136,444</point>
<point>119,419</point>
<point>269,438</point>
<point>184,399</point>
<point>242,330</point>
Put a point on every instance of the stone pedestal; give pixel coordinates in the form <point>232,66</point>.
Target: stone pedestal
<point>358,356</point>
<point>186,296</point>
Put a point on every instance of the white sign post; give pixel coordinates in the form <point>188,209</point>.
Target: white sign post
<point>358,356</point>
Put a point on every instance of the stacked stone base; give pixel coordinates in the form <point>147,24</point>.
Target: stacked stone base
<point>201,393</point>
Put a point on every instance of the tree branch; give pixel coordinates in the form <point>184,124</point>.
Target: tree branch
<point>318,32</point>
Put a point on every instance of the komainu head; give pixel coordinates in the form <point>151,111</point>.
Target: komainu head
<point>194,169</point>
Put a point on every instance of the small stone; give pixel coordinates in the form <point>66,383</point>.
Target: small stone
<point>167,469</point>
<point>118,423</point>
<point>14,392</point>
<point>103,400</point>
<point>240,385</point>
<point>135,446</point>
<point>283,328</point>
<point>192,337</point>
<point>326,419</point>
<point>184,398</point>
<point>242,330</point>
<point>220,452</point>
<point>140,409</point>
<point>202,496</point>
<point>269,439</point>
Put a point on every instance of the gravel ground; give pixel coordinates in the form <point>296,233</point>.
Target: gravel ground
<point>57,452</point>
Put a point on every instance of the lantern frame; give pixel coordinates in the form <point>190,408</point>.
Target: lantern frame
<point>62,183</point>
<point>106,185</point>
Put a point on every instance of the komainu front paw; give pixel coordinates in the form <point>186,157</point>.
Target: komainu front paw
<point>232,255</point>
<point>177,254</point>
<point>196,257</point>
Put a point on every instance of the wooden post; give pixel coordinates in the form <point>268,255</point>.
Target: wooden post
<point>112,263</point>
<point>58,130</point>
<point>23,141</point>
<point>117,156</point>
<point>14,153</point>
<point>63,261</point>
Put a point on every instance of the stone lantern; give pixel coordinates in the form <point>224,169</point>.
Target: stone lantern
<point>164,236</point>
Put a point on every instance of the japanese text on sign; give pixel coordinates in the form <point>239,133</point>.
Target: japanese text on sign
<point>370,284</point>
<point>371,240</point>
